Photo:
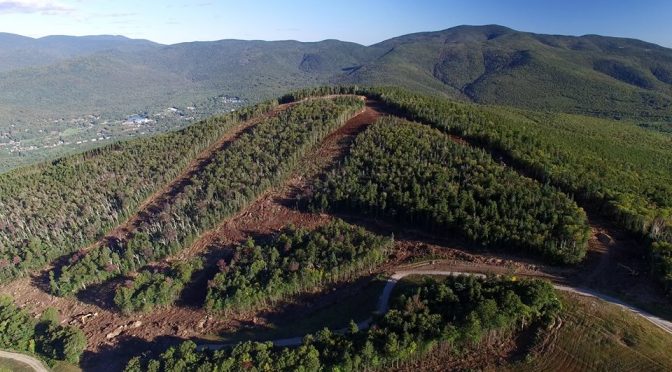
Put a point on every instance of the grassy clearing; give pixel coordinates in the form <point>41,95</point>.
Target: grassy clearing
<point>65,367</point>
<point>9,365</point>
<point>594,336</point>
<point>600,337</point>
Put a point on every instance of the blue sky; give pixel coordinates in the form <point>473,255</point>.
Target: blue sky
<point>362,21</point>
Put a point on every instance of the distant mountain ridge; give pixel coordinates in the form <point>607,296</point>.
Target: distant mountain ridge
<point>18,51</point>
<point>486,64</point>
<point>497,65</point>
<point>43,80</point>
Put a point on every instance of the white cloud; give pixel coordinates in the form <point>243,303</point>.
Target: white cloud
<point>33,6</point>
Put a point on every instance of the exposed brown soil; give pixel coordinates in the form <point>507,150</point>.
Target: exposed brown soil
<point>92,310</point>
<point>614,263</point>
<point>157,202</point>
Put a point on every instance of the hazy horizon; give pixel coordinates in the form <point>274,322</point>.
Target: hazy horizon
<point>364,23</point>
<point>312,41</point>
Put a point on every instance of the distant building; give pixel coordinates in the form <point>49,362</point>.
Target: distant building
<point>137,119</point>
<point>230,99</point>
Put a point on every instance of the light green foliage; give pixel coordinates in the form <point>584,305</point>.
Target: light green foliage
<point>50,315</point>
<point>155,288</point>
<point>19,331</point>
<point>294,262</point>
<point>16,327</point>
<point>56,208</point>
<point>261,157</point>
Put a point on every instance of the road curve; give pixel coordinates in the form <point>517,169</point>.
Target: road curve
<point>384,300</point>
<point>31,362</point>
<point>663,324</point>
<point>383,303</point>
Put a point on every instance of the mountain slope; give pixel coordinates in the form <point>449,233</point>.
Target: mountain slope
<point>496,65</point>
<point>126,80</point>
<point>153,202</point>
<point>18,52</point>
<point>62,81</point>
<point>486,64</point>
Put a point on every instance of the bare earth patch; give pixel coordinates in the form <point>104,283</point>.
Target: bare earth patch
<point>614,265</point>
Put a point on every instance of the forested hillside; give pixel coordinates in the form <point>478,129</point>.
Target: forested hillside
<point>456,312</point>
<point>622,170</point>
<point>56,208</point>
<point>294,262</point>
<point>233,225</point>
<point>493,64</point>
<point>112,78</point>
<point>415,175</point>
<point>487,64</point>
<point>582,156</point>
<point>18,52</point>
<point>237,175</point>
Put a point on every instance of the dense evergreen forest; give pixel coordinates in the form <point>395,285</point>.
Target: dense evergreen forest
<point>56,208</point>
<point>503,178</point>
<point>634,184</point>
<point>622,169</point>
<point>416,175</point>
<point>257,160</point>
<point>457,311</point>
<point>155,287</point>
<point>296,261</point>
<point>45,337</point>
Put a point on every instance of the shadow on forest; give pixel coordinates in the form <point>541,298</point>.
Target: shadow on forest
<point>113,358</point>
<point>194,293</point>
<point>311,302</point>
<point>41,279</point>
<point>101,294</point>
<point>287,318</point>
